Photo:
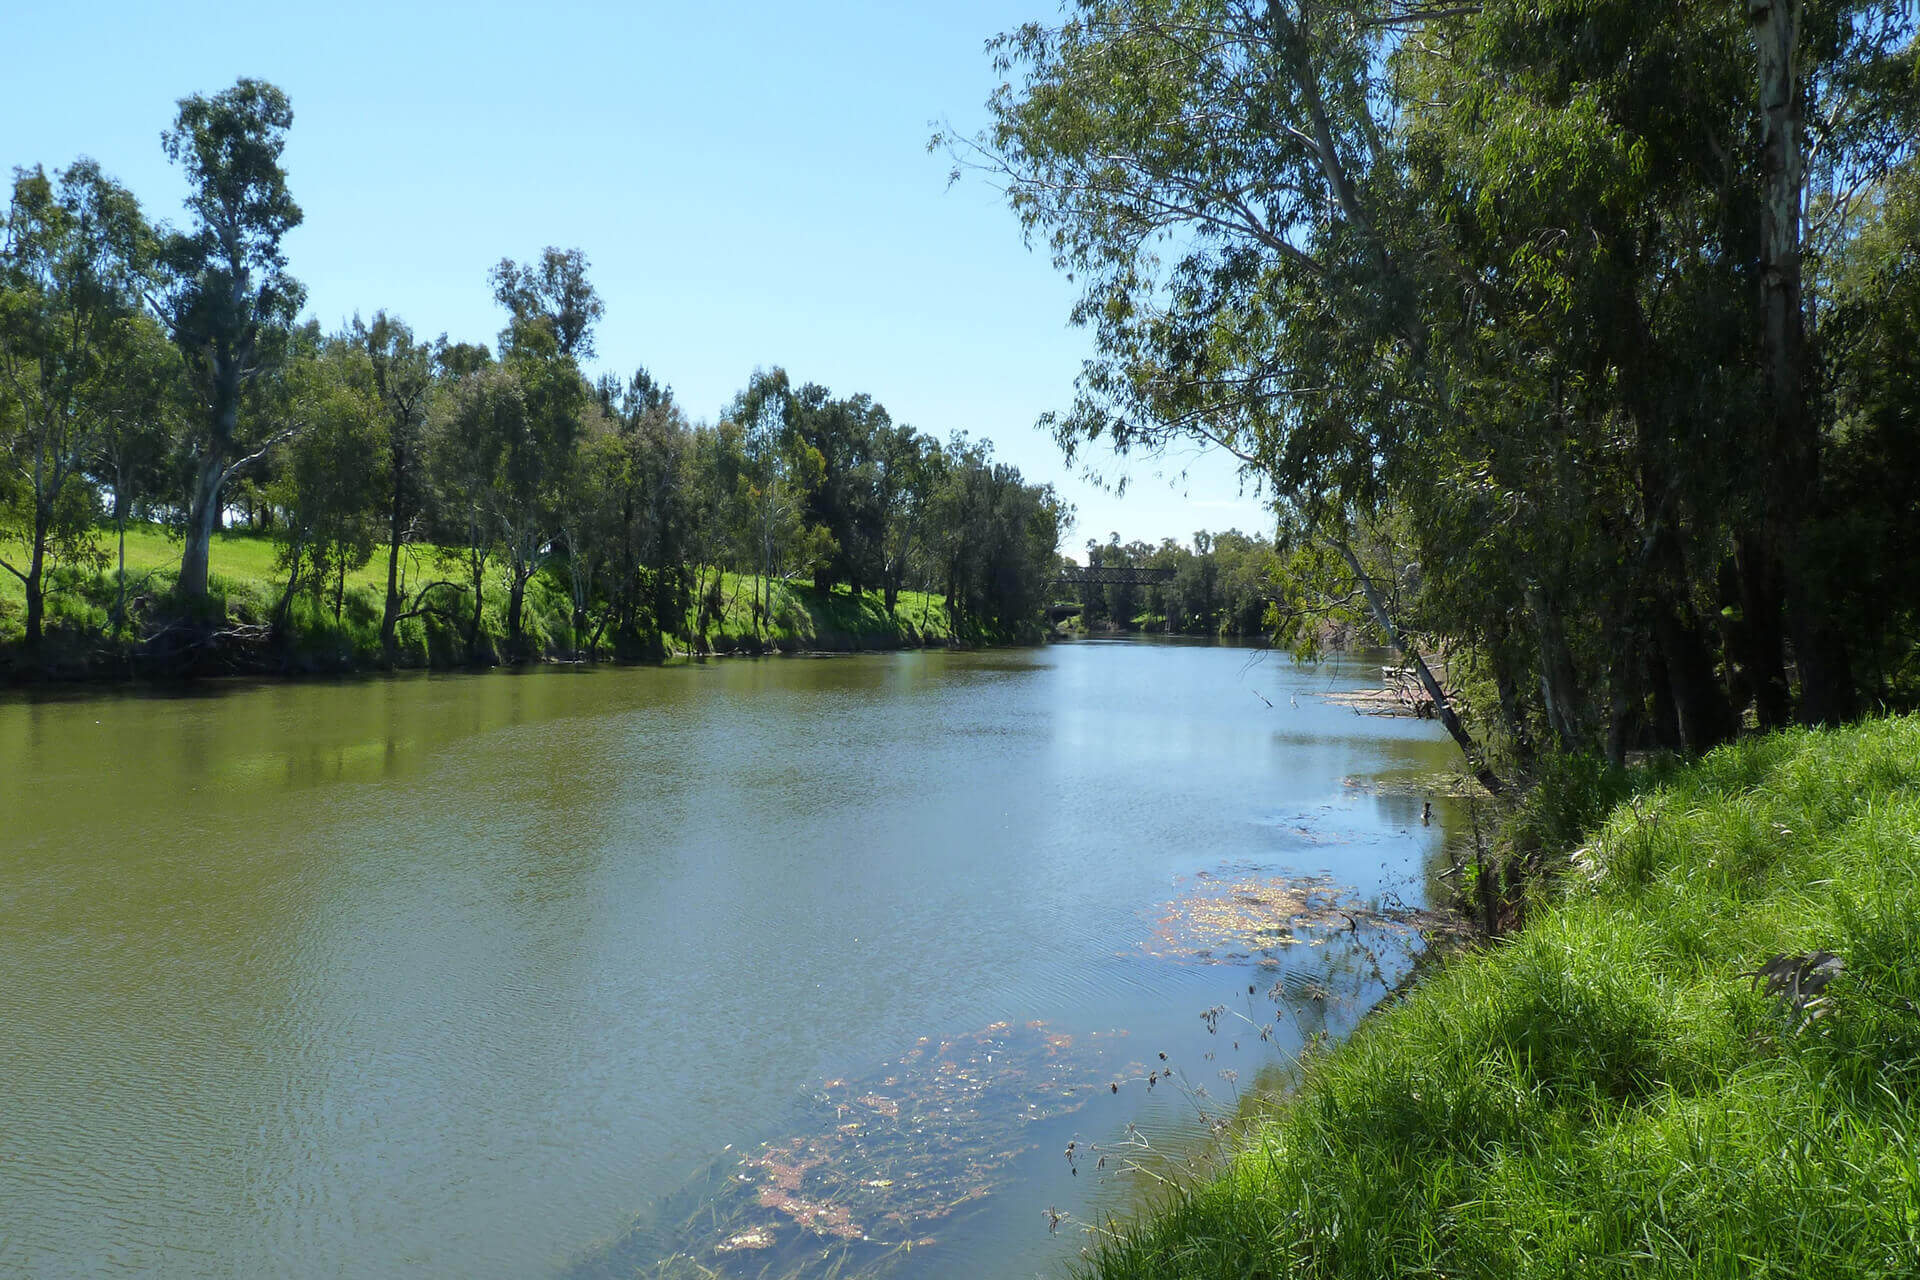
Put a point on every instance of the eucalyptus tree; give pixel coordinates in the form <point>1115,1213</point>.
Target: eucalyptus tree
<point>837,431</point>
<point>1219,176</point>
<point>533,453</point>
<point>227,300</point>
<point>73,259</point>
<point>1013,567</point>
<point>1869,354</point>
<point>482,406</point>
<point>926,554</point>
<point>453,361</point>
<point>853,498</point>
<point>660,518</point>
<point>994,539</point>
<point>332,477</point>
<point>1496,270</point>
<point>778,469</point>
<point>1583,285</point>
<point>555,292</point>
<point>1248,574</point>
<point>626,517</point>
<point>711,482</point>
<point>1620,271</point>
<point>500,460</point>
<point>902,487</point>
<point>133,449</point>
<point>1838,91</point>
<point>1195,592</point>
<point>591,501</point>
<point>399,369</point>
<point>956,517</point>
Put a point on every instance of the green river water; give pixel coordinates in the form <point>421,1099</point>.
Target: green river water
<point>779,967</point>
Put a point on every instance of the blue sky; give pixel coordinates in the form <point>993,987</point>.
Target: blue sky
<point>749,181</point>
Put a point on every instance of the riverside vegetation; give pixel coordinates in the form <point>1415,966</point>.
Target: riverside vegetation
<point>1700,1056</point>
<point>400,502</point>
<point>1582,335</point>
<point>315,638</point>
<point>510,507</point>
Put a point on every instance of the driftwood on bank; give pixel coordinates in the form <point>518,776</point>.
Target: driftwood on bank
<point>1401,693</point>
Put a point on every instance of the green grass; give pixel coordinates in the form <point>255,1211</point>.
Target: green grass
<point>235,556</point>
<point>246,584</point>
<point>1605,1093</point>
<point>803,618</point>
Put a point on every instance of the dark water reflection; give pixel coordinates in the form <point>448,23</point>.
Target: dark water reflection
<point>493,975</point>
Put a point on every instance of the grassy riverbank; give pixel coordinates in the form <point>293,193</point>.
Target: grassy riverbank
<point>246,585</point>
<point>1606,1092</point>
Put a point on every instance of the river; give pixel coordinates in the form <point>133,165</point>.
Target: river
<point>762,967</point>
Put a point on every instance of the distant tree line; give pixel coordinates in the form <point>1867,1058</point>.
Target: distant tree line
<point>1580,334</point>
<point>154,373</point>
<point>1223,584</point>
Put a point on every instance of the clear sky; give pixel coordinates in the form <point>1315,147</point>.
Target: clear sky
<point>749,181</point>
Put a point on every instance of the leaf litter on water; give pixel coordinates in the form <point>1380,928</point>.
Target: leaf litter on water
<point>1247,916</point>
<point>872,1168</point>
<point>877,1167</point>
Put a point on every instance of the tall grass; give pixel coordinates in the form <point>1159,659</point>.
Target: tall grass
<point>1606,1092</point>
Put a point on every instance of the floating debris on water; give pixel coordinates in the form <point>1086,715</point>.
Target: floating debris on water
<point>874,1168</point>
<point>1450,784</point>
<point>1381,702</point>
<point>751,1238</point>
<point>1243,918</point>
<point>878,1166</point>
<point>1401,693</point>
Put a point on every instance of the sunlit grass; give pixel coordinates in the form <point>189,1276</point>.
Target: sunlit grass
<point>802,617</point>
<point>243,572</point>
<point>1606,1093</point>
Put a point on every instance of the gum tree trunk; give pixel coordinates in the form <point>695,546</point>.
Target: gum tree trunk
<point>36,590</point>
<point>205,505</point>
<point>390,615</point>
<point>1442,708</point>
<point>1790,440</point>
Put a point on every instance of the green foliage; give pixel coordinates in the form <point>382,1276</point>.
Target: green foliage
<point>401,374</point>
<point>993,538</point>
<point>1872,355</point>
<point>248,571</point>
<point>1224,585</point>
<point>1569,797</point>
<point>1497,282</point>
<point>616,525</point>
<point>72,261</point>
<point>1608,1093</point>
<point>330,480</point>
<point>554,295</point>
<point>228,302</point>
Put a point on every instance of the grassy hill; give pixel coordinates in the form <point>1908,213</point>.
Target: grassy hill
<point>246,584</point>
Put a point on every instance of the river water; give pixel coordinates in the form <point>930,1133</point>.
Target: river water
<point>781,967</point>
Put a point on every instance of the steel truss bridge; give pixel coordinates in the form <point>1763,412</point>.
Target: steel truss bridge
<point>1074,577</point>
<point>1113,576</point>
